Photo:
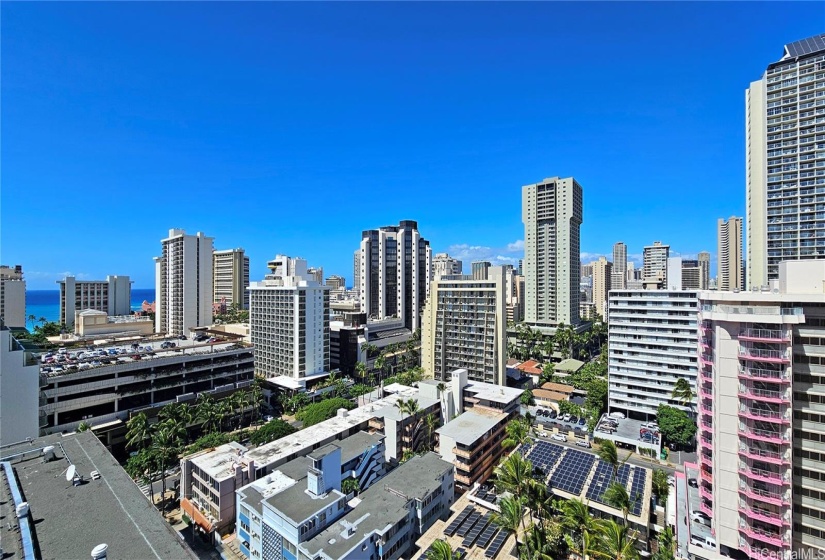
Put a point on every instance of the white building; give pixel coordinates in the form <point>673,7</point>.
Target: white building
<point>394,273</point>
<point>19,391</point>
<point>230,275</point>
<point>113,295</point>
<point>183,283</point>
<point>12,296</point>
<point>552,215</point>
<point>618,280</point>
<point>445,265</point>
<point>651,345</point>
<point>674,273</point>
<point>730,273</point>
<point>289,322</point>
<point>465,326</point>
<point>761,421</point>
<point>785,159</point>
<point>655,264</point>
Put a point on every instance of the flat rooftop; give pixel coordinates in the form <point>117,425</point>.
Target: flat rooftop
<point>381,505</point>
<point>298,504</point>
<point>492,392</point>
<point>69,521</point>
<point>471,426</point>
<point>220,462</point>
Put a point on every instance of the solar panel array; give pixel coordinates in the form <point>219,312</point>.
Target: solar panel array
<point>468,524</point>
<point>496,545</point>
<point>807,46</point>
<point>487,535</point>
<point>544,455</point>
<point>604,478</point>
<point>637,491</point>
<point>453,526</point>
<point>572,471</point>
<point>479,527</point>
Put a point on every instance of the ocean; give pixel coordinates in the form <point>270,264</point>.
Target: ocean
<point>46,303</point>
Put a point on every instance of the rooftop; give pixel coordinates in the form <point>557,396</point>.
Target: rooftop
<point>298,504</point>
<point>69,521</point>
<point>472,425</point>
<point>381,505</point>
<point>219,463</point>
<point>493,392</point>
<point>558,387</point>
<point>545,395</point>
<point>530,366</point>
<point>569,365</point>
<point>354,445</point>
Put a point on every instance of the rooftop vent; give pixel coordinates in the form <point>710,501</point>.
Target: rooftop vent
<point>99,552</point>
<point>22,509</point>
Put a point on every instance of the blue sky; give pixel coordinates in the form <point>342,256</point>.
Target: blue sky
<point>290,128</point>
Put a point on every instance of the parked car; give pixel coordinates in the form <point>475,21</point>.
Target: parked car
<point>693,482</point>
<point>699,516</point>
<point>553,414</point>
<point>182,337</point>
<point>583,443</point>
<point>704,542</point>
<point>573,419</point>
<point>582,421</point>
<point>559,437</point>
<point>566,417</point>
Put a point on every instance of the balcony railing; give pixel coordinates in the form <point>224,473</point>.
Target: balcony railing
<point>770,335</point>
<point>705,493</point>
<point>763,454</point>
<point>706,359</point>
<point>766,395</point>
<point>772,537</point>
<point>773,416</point>
<point>771,375</point>
<point>762,514</point>
<point>764,355</point>
<point>762,474</point>
<point>776,498</point>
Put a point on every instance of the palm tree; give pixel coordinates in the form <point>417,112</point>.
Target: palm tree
<point>410,408</point>
<point>360,371</point>
<point>586,547</point>
<point>430,425</point>
<point>514,475</point>
<point>511,515</point>
<point>442,391</point>
<point>138,431</point>
<point>683,392</point>
<point>615,542</point>
<point>83,427</point>
<point>256,398</point>
<point>616,496</point>
<point>207,413</point>
<point>166,447</point>
<point>661,488</point>
<point>577,520</point>
<point>609,454</point>
<point>441,550</point>
<point>31,319</point>
<point>518,433</point>
<point>666,545</point>
<point>380,363</point>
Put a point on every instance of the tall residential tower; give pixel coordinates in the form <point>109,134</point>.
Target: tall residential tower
<point>730,255</point>
<point>231,278</point>
<point>619,279</point>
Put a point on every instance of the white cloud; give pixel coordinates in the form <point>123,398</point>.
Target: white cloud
<point>509,254</point>
<point>516,246</point>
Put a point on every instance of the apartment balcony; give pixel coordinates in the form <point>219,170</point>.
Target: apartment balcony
<point>779,437</point>
<point>706,359</point>
<point>763,475</point>
<point>767,496</point>
<point>765,414</point>
<point>706,476</point>
<point>705,392</point>
<point>759,551</point>
<point>705,493</point>
<point>765,395</point>
<point>762,355</point>
<point>765,515</point>
<point>767,375</point>
<point>765,335</point>
<point>776,538</point>
<point>707,443</point>
<point>466,453</point>
<point>768,456</point>
<point>706,459</point>
<point>706,509</point>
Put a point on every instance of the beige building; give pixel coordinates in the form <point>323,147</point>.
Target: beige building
<point>761,422</point>
<point>91,323</point>
<point>655,264</point>
<point>784,161</point>
<point>618,280</point>
<point>551,211</point>
<point>464,325</point>
<point>445,265</point>
<point>230,274</point>
<point>729,267</point>
<point>12,296</point>
<point>704,270</point>
<point>112,296</point>
<point>602,278</point>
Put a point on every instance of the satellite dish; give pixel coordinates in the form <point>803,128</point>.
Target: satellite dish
<point>70,472</point>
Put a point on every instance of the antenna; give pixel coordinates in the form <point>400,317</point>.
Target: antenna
<point>70,472</point>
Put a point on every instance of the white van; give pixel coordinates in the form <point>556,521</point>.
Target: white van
<point>704,542</point>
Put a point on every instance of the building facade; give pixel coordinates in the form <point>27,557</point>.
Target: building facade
<point>784,161</point>
<point>336,282</point>
<point>445,265</point>
<point>19,391</point>
<point>12,296</point>
<point>552,215</point>
<point>113,295</point>
<point>394,273</point>
<point>651,345</point>
<point>704,270</point>
<point>602,284</point>
<point>618,280</point>
<point>479,269</point>
<point>230,274</point>
<point>465,326</point>
<point>761,421</point>
<point>729,267</point>
<point>289,322</point>
<point>183,283</point>
<point>655,263</point>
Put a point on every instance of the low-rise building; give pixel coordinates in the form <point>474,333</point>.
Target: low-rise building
<point>91,323</point>
<point>472,443</point>
<point>387,519</point>
<point>551,394</point>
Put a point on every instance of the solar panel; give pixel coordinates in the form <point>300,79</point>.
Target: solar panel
<point>453,526</point>
<point>603,478</point>
<point>480,526</point>
<point>637,491</point>
<point>496,545</point>
<point>487,535</point>
<point>572,471</point>
<point>544,455</point>
<point>468,524</point>
<point>806,46</point>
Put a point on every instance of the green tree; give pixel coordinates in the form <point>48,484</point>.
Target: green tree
<point>616,496</point>
<point>138,431</point>
<point>256,398</point>
<point>683,393</point>
<point>609,454</point>
<point>511,516</point>
<point>318,412</point>
<point>209,441</point>
<point>83,427</point>
<point>142,467</point>
<point>615,542</point>
<point>675,425</point>
<point>666,545</point>
<point>518,433</point>
<point>441,550</point>
<point>350,485</point>
<point>273,430</point>
<point>661,489</point>
<point>527,398</point>
<point>166,445</point>
<point>430,426</point>
<point>514,475</point>
<point>596,400</point>
<point>576,519</point>
<point>207,412</point>
<point>361,371</point>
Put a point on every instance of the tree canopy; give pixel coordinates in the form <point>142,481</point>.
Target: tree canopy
<point>323,410</point>
<point>675,425</point>
<point>272,430</point>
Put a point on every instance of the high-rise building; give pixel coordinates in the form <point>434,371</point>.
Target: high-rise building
<point>479,269</point>
<point>12,296</point>
<point>394,273</point>
<point>19,390</point>
<point>651,345</point>
<point>691,274</point>
<point>602,281</point>
<point>729,267</point>
<point>183,283</point>
<point>783,151</point>
<point>704,270</point>
<point>445,265</point>
<point>761,425</point>
<point>552,215</point>
<point>356,270</point>
<point>230,274</point>
<point>113,295</point>
<point>674,274</point>
<point>655,263</point>
<point>521,267</point>
<point>586,270</point>
<point>465,326</point>
<point>336,282</point>
<point>289,322</point>
<point>619,279</point>
<point>316,273</point>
